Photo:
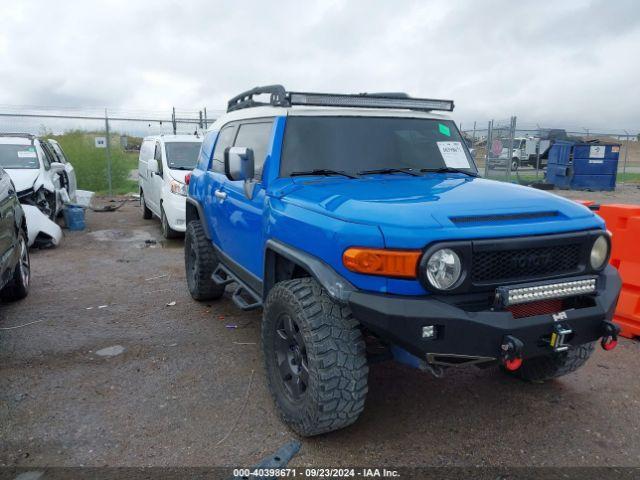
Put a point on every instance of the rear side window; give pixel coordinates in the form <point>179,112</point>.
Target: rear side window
<point>48,157</point>
<point>256,136</point>
<point>59,153</point>
<point>225,140</point>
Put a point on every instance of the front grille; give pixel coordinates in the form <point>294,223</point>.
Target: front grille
<point>543,307</point>
<point>526,263</point>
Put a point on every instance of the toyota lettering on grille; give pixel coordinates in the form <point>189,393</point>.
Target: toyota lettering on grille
<point>532,259</point>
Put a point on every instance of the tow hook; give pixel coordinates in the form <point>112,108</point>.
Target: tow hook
<point>511,353</point>
<point>610,337</point>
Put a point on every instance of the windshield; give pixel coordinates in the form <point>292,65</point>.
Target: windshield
<point>18,156</point>
<point>359,144</point>
<point>182,155</point>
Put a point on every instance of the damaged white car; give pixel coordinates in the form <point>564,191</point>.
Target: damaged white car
<point>39,180</point>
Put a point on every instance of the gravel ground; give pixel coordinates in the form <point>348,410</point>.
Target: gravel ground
<point>113,375</point>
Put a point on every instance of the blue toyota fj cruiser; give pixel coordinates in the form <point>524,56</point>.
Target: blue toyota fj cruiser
<point>359,224</point>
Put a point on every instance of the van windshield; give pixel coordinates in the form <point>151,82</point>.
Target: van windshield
<point>361,144</point>
<point>182,155</point>
<point>18,156</point>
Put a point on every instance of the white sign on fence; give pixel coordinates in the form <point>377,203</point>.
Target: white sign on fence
<point>101,142</point>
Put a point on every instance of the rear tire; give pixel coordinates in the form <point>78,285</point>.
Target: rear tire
<point>555,365</point>
<point>167,231</point>
<point>200,261</point>
<point>146,213</point>
<point>18,288</point>
<point>314,358</point>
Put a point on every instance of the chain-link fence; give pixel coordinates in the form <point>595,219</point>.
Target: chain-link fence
<point>513,151</point>
<point>111,169</point>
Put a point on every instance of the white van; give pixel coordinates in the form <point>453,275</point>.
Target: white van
<point>163,164</point>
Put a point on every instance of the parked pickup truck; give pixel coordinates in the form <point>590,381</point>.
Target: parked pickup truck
<point>359,225</point>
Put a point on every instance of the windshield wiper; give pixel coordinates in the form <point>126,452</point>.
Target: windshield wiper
<point>323,171</point>
<point>448,170</point>
<point>383,171</point>
<point>181,168</point>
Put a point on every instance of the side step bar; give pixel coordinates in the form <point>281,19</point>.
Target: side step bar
<point>244,298</point>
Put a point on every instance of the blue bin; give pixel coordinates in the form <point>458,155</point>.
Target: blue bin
<point>74,217</point>
<point>583,166</point>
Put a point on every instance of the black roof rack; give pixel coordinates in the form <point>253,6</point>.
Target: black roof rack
<point>18,134</point>
<point>279,97</point>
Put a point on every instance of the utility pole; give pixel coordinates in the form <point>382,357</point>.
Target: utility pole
<point>106,126</point>
<point>206,125</point>
<point>173,120</point>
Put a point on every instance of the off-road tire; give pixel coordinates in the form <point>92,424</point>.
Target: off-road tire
<point>146,213</point>
<point>167,231</point>
<point>18,287</point>
<point>555,365</point>
<point>335,354</point>
<point>200,261</point>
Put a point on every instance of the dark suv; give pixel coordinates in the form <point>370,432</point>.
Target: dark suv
<point>14,253</point>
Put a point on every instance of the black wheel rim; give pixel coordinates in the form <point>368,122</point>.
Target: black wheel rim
<point>291,357</point>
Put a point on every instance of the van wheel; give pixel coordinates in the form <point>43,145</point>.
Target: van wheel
<point>200,261</point>
<point>314,358</point>
<point>19,286</point>
<point>146,213</point>
<point>554,365</point>
<point>167,231</point>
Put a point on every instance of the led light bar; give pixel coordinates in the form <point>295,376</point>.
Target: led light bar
<point>369,101</point>
<point>517,295</point>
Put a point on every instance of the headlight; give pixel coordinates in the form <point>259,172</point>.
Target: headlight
<point>444,269</point>
<point>599,253</point>
<point>178,188</point>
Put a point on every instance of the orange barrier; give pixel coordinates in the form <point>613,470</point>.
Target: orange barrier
<point>623,221</point>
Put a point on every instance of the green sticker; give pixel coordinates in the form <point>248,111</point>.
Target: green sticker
<point>444,130</point>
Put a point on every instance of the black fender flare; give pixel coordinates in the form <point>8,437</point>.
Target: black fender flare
<point>336,286</point>
<point>203,219</point>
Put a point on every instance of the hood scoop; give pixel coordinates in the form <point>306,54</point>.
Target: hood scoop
<point>473,220</point>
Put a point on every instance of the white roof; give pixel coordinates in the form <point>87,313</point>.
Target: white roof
<point>175,138</point>
<point>296,110</point>
<point>15,141</point>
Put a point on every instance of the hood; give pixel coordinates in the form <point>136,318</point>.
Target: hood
<point>179,174</point>
<point>23,178</point>
<point>460,206</point>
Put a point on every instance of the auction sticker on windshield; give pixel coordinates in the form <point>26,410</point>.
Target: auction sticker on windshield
<point>453,154</point>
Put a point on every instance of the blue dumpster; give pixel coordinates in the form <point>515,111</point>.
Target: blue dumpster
<point>583,166</point>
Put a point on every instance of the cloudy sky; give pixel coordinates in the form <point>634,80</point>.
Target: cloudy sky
<point>558,63</point>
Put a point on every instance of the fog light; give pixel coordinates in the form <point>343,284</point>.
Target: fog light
<point>429,331</point>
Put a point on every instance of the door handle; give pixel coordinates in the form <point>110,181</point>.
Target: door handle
<point>220,195</point>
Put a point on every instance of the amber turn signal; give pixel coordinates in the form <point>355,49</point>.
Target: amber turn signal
<point>374,261</point>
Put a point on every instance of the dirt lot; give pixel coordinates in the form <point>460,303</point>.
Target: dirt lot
<point>176,390</point>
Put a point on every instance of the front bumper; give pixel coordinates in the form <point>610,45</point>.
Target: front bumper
<point>175,207</point>
<point>478,335</point>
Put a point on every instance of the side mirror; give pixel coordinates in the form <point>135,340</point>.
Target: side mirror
<point>57,167</point>
<point>152,165</point>
<point>239,163</point>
